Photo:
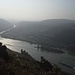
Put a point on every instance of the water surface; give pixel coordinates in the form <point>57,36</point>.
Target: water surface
<point>17,45</point>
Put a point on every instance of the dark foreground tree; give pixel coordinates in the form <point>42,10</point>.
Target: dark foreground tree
<point>46,65</point>
<point>3,52</point>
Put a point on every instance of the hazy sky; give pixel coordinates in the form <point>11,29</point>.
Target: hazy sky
<point>37,9</point>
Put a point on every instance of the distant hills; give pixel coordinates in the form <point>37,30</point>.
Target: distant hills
<point>4,24</point>
<point>61,30</point>
<point>51,32</point>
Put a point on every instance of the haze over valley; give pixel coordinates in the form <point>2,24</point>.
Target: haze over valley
<point>30,29</point>
<point>57,33</point>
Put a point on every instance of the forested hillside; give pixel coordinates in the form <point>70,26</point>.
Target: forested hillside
<point>55,33</point>
<point>5,25</point>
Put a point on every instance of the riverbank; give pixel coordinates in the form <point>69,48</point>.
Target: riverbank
<point>24,64</point>
<point>43,47</point>
<point>52,49</point>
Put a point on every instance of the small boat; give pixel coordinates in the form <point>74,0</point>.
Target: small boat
<point>73,67</point>
<point>67,65</point>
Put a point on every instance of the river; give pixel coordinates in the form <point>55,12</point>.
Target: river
<point>17,45</point>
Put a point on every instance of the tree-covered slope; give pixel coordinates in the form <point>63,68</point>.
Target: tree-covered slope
<point>13,63</point>
<point>54,32</point>
<point>59,30</point>
<point>4,24</point>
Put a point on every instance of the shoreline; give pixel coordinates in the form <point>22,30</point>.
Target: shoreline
<point>31,59</point>
<point>27,57</point>
<point>52,50</point>
<point>69,52</point>
<point>20,54</point>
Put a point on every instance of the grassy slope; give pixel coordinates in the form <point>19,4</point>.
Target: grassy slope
<point>24,65</point>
